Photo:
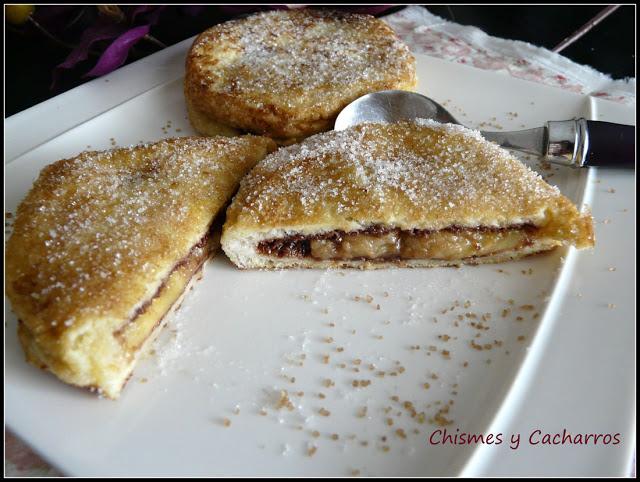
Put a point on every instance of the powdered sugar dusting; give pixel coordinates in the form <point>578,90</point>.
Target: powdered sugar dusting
<point>275,52</point>
<point>96,231</point>
<point>436,174</point>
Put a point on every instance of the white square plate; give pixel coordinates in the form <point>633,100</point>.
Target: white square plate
<point>560,327</point>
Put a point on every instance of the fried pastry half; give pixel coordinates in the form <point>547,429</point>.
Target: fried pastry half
<point>105,244</point>
<point>287,74</point>
<point>414,194</point>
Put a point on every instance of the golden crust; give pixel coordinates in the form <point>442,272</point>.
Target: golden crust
<point>206,126</point>
<point>410,175</point>
<point>99,234</point>
<point>287,74</point>
<point>133,339</point>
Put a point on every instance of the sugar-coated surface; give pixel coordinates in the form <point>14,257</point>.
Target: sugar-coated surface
<point>98,230</point>
<point>410,175</point>
<point>287,74</point>
<point>280,50</point>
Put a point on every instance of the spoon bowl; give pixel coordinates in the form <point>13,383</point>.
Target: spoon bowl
<point>391,106</point>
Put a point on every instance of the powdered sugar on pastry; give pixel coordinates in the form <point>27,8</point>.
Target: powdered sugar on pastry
<point>434,168</point>
<point>106,243</point>
<point>279,50</point>
<point>287,74</point>
<point>409,176</point>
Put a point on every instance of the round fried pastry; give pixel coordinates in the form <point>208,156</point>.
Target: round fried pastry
<point>287,74</point>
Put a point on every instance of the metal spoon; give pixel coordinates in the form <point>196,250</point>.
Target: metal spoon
<point>576,142</point>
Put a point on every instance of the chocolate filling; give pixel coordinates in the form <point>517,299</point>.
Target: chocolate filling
<point>193,252</point>
<point>383,243</point>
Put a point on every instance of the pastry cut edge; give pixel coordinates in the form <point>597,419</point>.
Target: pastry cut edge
<point>328,234</point>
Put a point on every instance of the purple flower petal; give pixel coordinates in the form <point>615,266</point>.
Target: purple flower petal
<point>101,30</point>
<point>116,53</point>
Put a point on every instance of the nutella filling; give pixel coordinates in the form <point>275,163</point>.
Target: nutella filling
<point>198,250</point>
<point>387,244</point>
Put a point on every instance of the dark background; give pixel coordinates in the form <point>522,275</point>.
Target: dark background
<point>609,47</point>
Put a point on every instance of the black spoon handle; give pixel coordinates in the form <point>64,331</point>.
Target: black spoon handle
<point>611,145</point>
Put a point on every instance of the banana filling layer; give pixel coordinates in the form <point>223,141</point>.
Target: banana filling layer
<point>379,243</point>
<point>147,316</point>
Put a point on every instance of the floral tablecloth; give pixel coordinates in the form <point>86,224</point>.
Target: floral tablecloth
<point>431,35</point>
